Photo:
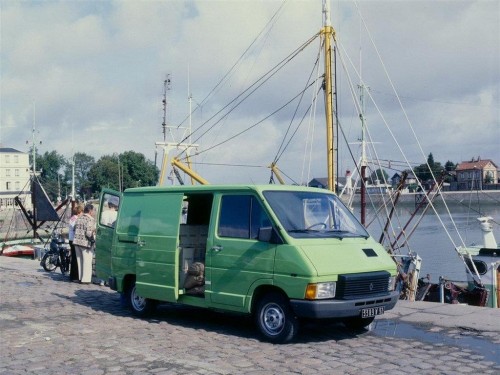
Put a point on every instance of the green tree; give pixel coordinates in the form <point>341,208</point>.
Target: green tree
<point>137,170</point>
<point>423,171</point>
<point>380,175</point>
<point>449,166</point>
<point>488,179</point>
<point>83,164</point>
<point>104,174</point>
<point>50,165</point>
<point>129,169</point>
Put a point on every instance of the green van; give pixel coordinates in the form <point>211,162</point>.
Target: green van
<point>279,253</point>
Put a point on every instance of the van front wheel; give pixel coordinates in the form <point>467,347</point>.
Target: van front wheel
<point>275,320</point>
<point>140,306</point>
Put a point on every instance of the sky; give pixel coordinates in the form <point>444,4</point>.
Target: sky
<point>89,76</point>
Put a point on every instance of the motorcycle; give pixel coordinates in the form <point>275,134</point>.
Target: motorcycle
<point>58,255</point>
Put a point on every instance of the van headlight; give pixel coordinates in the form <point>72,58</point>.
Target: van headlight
<point>392,283</point>
<point>321,290</point>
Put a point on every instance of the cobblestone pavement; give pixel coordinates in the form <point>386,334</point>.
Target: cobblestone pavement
<point>51,326</point>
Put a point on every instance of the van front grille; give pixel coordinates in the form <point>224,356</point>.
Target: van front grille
<point>359,285</point>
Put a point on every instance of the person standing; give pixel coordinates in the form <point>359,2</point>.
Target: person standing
<point>73,273</point>
<point>84,240</point>
<point>108,217</point>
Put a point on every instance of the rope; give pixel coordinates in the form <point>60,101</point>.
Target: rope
<point>212,92</point>
<point>246,93</point>
<point>252,126</point>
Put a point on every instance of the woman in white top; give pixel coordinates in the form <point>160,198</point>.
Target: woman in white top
<point>73,273</point>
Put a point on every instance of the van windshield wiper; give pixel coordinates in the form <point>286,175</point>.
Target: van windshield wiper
<point>303,231</point>
<point>346,233</point>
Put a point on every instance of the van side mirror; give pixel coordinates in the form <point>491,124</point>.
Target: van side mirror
<point>269,234</point>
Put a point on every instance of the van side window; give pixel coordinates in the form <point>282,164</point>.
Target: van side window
<point>109,211</point>
<point>241,216</point>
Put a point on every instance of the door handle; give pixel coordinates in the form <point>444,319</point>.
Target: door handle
<point>216,248</point>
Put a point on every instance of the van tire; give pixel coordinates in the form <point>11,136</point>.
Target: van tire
<point>275,319</point>
<point>357,323</point>
<point>140,306</point>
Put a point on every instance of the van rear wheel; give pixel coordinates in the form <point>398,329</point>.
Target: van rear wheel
<point>275,319</point>
<point>140,306</point>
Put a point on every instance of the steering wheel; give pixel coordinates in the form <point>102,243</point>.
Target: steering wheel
<point>323,226</point>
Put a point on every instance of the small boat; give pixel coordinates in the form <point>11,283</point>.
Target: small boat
<point>18,250</point>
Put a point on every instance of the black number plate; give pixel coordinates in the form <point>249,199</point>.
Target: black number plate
<point>372,311</point>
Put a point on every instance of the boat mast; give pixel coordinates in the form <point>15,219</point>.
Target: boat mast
<point>328,34</point>
<point>362,88</point>
<point>33,141</point>
<point>33,198</point>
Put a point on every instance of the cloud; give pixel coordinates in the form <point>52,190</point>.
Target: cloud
<point>95,72</point>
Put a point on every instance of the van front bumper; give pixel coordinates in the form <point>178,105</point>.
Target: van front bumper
<point>341,308</point>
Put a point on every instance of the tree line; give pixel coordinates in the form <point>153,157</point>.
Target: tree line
<point>423,172</point>
<point>132,169</point>
<point>116,171</point>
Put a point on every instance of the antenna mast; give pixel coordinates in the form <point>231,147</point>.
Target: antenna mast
<point>166,87</point>
<point>170,145</point>
<point>190,101</point>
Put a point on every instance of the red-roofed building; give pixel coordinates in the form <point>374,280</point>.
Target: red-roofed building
<point>476,174</point>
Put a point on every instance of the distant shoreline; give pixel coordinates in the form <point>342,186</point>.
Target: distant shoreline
<point>450,197</point>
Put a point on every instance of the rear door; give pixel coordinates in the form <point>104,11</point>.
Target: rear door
<point>236,259</point>
<point>157,256</point>
<point>109,204</point>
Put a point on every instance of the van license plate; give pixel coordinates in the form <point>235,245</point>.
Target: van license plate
<point>372,311</point>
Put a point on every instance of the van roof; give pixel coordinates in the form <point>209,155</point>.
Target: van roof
<point>213,188</point>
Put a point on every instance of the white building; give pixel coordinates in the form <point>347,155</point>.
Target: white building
<point>14,178</point>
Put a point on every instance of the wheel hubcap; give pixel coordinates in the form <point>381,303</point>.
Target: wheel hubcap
<point>273,319</point>
<point>138,301</point>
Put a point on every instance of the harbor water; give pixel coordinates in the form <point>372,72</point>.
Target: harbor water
<point>438,233</point>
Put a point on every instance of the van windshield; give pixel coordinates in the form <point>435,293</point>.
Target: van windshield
<point>314,214</point>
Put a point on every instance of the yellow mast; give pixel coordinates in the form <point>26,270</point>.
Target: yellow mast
<point>183,167</point>
<point>328,34</point>
<point>277,173</point>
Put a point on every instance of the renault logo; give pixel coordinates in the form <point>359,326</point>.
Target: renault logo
<point>371,287</point>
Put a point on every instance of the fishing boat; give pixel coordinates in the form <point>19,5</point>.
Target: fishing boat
<point>485,260</point>
<point>482,267</point>
<point>37,222</point>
